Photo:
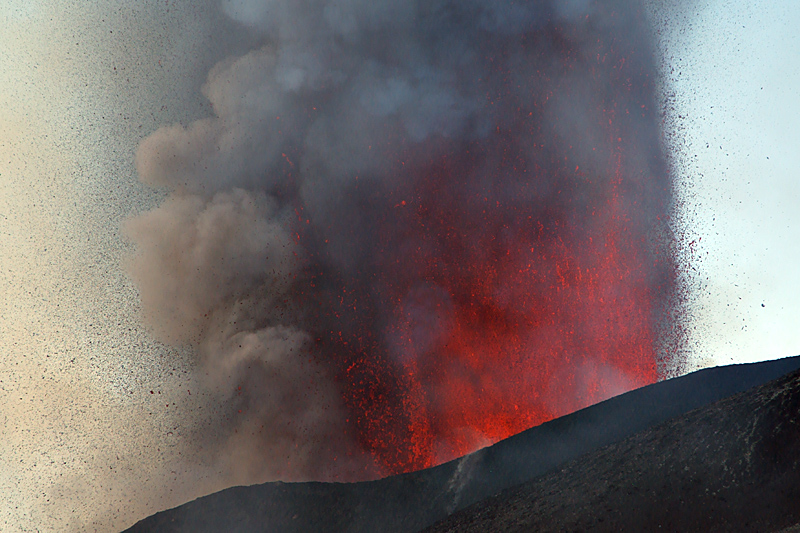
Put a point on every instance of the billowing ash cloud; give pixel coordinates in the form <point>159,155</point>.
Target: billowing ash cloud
<point>410,228</point>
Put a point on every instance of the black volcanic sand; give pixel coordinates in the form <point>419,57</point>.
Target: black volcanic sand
<point>413,501</point>
<point>730,466</point>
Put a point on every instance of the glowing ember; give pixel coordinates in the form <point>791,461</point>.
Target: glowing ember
<point>505,290</point>
<point>412,231</point>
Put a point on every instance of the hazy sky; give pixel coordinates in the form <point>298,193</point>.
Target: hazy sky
<point>89,403</point>
<point>734,70</point>
<point>85,443</point>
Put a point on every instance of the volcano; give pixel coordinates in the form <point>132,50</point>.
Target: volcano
<point>679,443</point>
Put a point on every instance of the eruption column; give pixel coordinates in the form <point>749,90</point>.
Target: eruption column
<point>411,229</point>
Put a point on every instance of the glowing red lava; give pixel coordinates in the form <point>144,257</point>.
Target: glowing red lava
<point>515,277</point>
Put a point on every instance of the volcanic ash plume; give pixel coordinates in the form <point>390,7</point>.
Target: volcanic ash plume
<point>410,229</point>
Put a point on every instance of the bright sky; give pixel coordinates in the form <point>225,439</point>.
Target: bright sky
<point>86,446</point>
<point>735,74</point>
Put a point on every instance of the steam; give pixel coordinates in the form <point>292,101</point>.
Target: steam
<point>288,254</point>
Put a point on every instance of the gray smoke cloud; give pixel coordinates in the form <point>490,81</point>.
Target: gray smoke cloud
<point>217,273</point>
<point>270,256</point>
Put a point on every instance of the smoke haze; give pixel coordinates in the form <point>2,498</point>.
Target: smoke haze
<point>409,229</point>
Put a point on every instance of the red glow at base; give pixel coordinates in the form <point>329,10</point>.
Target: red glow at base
<point>506,296</point>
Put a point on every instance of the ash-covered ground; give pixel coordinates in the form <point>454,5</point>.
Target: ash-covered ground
<point>731,466</point>
<point>727,465</point>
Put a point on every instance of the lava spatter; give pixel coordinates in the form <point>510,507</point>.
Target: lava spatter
<point>452,231</point>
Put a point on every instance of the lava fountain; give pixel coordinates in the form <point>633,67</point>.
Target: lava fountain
<point>411,229</point>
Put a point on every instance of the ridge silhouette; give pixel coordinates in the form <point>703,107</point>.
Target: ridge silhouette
<point>413,501</point>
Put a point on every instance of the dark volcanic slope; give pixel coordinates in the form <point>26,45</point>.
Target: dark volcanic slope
<point>730,466</point>
<point>413,501</point>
